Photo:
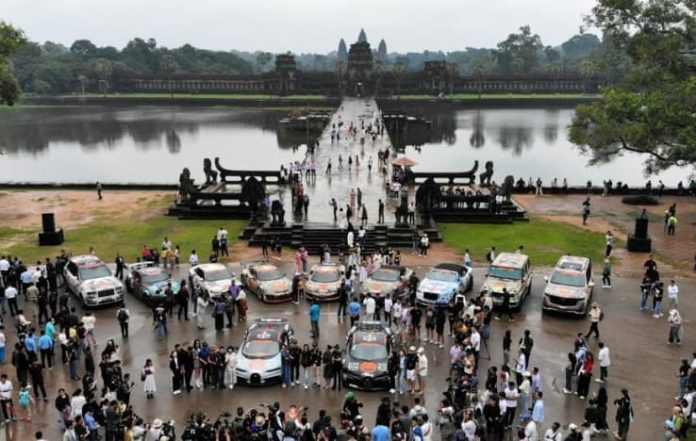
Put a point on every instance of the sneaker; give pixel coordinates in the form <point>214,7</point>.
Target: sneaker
<point>392,391</point>
<point>177,392</point>
<point>284,385</point>
<point>494,318</point>
<point>566,391</point>
<point>599,380</point>
<point>581,397</point>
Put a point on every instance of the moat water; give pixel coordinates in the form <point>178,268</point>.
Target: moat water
<point>153,144</point>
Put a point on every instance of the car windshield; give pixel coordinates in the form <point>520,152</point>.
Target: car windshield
<point>442,276</point>
<point>260,348</point>
<point>94,272</point>
<point>325,276</point>
<point>505,272</point>
<point>154,277</point>
<point>568,279</point>
<point>386,275</point>
<point>369,351</point>
<point>269,274</point>
<point>215,275</point>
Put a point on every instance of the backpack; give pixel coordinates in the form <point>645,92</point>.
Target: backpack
<point>122,315</point>
<point>601,315</point>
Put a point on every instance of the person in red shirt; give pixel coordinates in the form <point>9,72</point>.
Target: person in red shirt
<point>585,375</point>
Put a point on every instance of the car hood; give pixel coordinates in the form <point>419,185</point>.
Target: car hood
<point>157,289</point>
<point>497,285</point>
<point>437,286</point>
<point>99,284</point>
<point>258,364</point>
<point>322,287</point>
<point>276,286</point>
<point>218,285</point>
<point>380,287</point>
<point>569,292</point>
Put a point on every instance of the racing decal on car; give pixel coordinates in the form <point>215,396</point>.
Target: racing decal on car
<point>368,367</point>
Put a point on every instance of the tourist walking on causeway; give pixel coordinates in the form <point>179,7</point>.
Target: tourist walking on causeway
<point>604,362</point>
<point>99,190</point>
<point>624,415</point>
<point>314,313</point>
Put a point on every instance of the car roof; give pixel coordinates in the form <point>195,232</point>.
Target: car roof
<point>86,259</point>
<point>573,263</point>
<point>461,269</point>
<point>211,266</point>
<point>267,328</point>
<point>511,260</point>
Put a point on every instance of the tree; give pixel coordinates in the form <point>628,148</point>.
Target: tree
<point>519,53</point>
<point>580,44</point>
<point>652,111</point>
<point>262,59</point>
<point>11,40</point>
<point>83,48</point>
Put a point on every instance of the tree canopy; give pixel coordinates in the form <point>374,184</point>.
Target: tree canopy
<point>11,40</point>
<point>652,111</point>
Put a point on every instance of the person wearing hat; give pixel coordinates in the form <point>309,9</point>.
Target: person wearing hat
<point>351,406</point>
<point>155,430</point>
<point>596,315</point>
<point>573,434</point>
<point>606,274</point>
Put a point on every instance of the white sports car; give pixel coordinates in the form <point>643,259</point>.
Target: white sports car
<point>259,360</point>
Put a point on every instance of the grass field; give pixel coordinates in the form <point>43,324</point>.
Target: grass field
<point>124,233</point>
<point>127,239</point>
<point>544,241</point>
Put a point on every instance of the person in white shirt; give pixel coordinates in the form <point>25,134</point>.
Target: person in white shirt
<point>77,401</point>
<point>426,428</point>
<point>11,296</point>
<point>467,259</point>
<point>88,321</point>
<point>530,431</point>
<point>6,399</point>
<point>511,395</point>
<point>370,306</point>
<point>396,314</point>
<point>388,303</point>
<point>554,433</point>
<point>469,426</point>
<point>521,366</point>
<point>422,370</point>
<point>193,258</point>
<point>673,294</point>
<point>604,362</point>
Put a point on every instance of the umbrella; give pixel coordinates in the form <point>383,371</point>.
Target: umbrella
<point>404,161</point>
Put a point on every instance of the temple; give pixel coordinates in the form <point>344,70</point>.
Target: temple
<point>359,71</point>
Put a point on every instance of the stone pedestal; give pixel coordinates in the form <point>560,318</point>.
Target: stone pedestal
<point>640,241</point>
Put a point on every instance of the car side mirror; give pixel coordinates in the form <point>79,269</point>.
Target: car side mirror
<point>485,275</point>
<point>546,279</point>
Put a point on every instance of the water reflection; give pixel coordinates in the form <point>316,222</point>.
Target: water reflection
<point>515,139</point>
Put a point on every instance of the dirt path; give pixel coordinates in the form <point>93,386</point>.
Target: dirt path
<point>75,208</point>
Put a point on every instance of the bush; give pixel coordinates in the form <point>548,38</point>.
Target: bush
<point>640,200</point>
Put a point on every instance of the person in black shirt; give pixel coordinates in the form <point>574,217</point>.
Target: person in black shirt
<point>527,343</point>
<point>416,315</point>
<point>336,367</point>
<point>505,307</point>
<point>683,375</point>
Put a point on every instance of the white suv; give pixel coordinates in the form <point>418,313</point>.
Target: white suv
<point>92,282</point>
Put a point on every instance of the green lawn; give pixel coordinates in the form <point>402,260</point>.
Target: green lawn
<point>544,241</point>
<point>500,96</point>
<point>127,238</point>
<point>203,96</point>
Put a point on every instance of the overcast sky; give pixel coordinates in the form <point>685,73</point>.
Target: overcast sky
<point>298,25</point>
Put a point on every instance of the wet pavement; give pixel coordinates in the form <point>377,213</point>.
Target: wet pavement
<point>341,180</point>
<point>641,360</point>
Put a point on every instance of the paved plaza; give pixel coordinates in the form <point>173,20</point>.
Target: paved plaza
<point>641,359</point>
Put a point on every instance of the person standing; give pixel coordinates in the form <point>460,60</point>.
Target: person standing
<point>231,367</point>
<point>585,375</point>
<point>202,303</point>
<point>6,404</point>
<point>683,375</point>
<point>3,342</point>
<point>505,306</point>
<point>120,265</point>
<point>675,328</point>
<point>182,299</point>
<point>219,313</point>
<point>596,315</point>
<point>123,316</point>
<point>510,396</point>
<point>673,294</point>
<point>99,190</point>
<point>354,311</point>
<point>624,415</point>
<point>586,210</point>
<point>176,368</point>
<point>422,370</point>
<point>148,378</point>
<point>671,224</point>
<point>11,296</point>
<point>604,362</point>
<point>606,274</point>
<point>526,344</point>
<point>314,313</point>
<point>380,212</point>
<point>370,307</point>
<point>609,238</point>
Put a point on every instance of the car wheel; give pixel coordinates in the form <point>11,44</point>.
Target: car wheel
<point>82,302</point>
<point>471,285</point>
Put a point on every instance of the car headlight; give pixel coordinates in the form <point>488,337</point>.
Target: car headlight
<point>352,366</point>
<point>242,370</point>
<point>381,366</point>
